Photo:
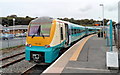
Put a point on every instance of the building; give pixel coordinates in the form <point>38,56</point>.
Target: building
<point>13,29</point>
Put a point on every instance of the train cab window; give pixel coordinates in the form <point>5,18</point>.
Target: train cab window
<point>34,30</point>
<point>40,27</point>
<point>61,31</point>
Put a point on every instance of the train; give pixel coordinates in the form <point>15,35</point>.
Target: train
<point>47,36</point>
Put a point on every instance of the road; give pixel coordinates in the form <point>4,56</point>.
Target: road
<point>12,42</point>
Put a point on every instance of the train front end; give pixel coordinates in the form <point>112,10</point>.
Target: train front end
<point>39,37</point>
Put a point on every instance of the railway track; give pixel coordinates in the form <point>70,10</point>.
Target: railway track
<point>35,69</point>
<point>38,69</point>
<point>12,59</point>
<point>28,70</point>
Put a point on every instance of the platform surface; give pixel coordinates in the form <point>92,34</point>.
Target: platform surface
<point>86,56</point>
<point>92,58</point>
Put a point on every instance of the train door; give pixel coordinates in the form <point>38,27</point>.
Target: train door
<point>61,33</point>
<point>66,34</point>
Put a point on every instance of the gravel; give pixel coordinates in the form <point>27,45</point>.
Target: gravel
<point>17,67</point>
<point>12,59</point>
<point>14,51</point>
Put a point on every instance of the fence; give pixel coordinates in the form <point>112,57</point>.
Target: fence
<point>12,42</point>
<point>117,35</point>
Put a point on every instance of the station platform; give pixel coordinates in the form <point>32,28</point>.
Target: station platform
<point>86,56</point>
<point>92,58</point>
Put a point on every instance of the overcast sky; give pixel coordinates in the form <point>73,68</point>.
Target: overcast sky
<point>78,9</point>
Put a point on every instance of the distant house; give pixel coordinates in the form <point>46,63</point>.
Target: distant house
<point>97,24</point>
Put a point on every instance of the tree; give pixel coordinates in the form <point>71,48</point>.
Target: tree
<point>13,16</point>
<point>27,17</point>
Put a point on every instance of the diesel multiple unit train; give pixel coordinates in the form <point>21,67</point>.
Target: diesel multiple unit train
<point>47,36</point>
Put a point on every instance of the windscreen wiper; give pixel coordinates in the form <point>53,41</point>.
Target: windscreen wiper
<point>42,33</point>
<point>33,35</point>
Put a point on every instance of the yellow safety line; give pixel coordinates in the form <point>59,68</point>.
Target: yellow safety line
<point>77,52</point>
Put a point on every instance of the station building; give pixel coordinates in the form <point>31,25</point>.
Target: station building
<point>13,29</point>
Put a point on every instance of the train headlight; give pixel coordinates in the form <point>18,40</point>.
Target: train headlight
<point>47,46</point>
<point>29,45</point>
<point>26,43</point>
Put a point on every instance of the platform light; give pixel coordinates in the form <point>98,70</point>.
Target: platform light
<point>103,18</point>
<point>13,25</point>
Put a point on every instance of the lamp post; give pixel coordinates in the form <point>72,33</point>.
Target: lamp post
<point>103,18</point>
<point>13,24</point>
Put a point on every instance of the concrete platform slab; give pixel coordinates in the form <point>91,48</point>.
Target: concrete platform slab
<point>92,58</point>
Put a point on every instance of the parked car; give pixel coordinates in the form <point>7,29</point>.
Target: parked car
<point>23,35</point>
<point>17,35</point>
<point>20,35</point>
<point>1,35</point>
<point>7,36</point>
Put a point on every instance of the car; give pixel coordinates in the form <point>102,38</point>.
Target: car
<point>7,36</point>
<point>20,35</point>
<point>17,35</point>
<point>23,35</point>
<point>1,35</point>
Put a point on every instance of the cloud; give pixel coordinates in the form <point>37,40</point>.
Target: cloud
<point>85,8</point>
<point>112,7</point>
<point>58,8</point>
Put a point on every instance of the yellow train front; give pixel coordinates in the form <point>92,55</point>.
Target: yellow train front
<point>44,40</point>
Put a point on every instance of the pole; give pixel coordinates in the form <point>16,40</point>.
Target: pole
<point>103,23</point>
<point>111,38</point>
<point>13,25</point>
<point>103,17</point>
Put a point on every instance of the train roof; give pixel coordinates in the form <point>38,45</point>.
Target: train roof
<point>75,25</point>
<point>42,20</point>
